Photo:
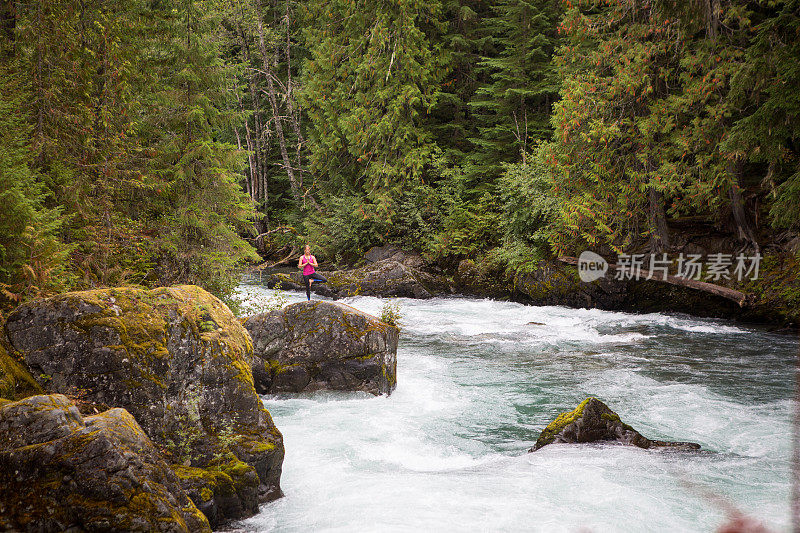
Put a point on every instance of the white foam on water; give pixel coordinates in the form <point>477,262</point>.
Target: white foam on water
<point>476,383</point>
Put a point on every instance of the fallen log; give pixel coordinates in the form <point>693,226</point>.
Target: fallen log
<point>739,297</point>
<point>285,261</point>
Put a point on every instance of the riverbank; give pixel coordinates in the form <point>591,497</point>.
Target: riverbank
<point>773,298</point>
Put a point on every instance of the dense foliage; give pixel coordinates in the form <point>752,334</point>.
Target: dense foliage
<point>156,141</point>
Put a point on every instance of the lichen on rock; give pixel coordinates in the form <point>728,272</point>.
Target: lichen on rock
<point>60,471</point>
<point>594,421</point>
<point>175,357</point>
<point>323,345</point>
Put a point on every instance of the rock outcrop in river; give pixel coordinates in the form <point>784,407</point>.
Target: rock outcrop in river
<point>388,272</point>
<point>60,471</point>
<point>178,361</point>
<point>594,421</point>
<point>386,278</point>
<point>323,345</point>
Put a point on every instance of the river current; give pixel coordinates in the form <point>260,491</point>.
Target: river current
<point>479,379</point>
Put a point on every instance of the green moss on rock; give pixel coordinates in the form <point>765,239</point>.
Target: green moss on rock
<point>59,470</point>
<point>15,380</point>
<point>210,479</point>
<point>549,433</point>
<point>179,361</point>
<point>594,421</point>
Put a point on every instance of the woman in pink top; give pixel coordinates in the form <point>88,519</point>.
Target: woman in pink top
<point>308,263</point>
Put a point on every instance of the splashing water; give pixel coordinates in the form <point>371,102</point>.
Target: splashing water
<point>479,379</point>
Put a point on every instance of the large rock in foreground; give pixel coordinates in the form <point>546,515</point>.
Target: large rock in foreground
<point>179,361</point>
<point>60,471</point>
<point>593,421</point>
<point>323,345</point>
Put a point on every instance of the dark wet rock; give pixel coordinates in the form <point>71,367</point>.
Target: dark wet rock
<point>594,421</point>
<point>393,253</point>
<point>283,281</point>
<point>323,345</point>
<point>482,280</point>
<point>60,471</point>
<point>179,361</point>
<point>553,283</point>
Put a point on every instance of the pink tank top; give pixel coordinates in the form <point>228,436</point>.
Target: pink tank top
<point>307,268</point>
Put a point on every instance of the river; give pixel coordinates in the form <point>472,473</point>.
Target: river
<point>479,379</point>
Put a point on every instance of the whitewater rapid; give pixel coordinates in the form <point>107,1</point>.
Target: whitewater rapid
<point>479,379</point>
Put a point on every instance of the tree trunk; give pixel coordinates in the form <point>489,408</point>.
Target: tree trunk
<point>294,114</point>
<point>658,221</point>
<point>712,8</point>
<point>273,100</point>
<point>742,225</point>
<point>259,190</point>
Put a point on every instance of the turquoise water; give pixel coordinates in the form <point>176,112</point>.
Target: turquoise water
<point>477,383</point>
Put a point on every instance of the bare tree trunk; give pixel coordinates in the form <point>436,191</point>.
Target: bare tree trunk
<point>712,9</point>
<point>255,138</point>
<point>742,225</point>
<point>657,218</point>
<point>295,114</point>
<point>273,100</point>
<point>658,221</point>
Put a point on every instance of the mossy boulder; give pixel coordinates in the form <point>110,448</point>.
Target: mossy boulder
<point>553,283</point>
<point>482,280</point>
<point>594,421</point>
<point>323,345</point>
<point>175,357</point>
<point>226,489</point>
<point>60,471</point>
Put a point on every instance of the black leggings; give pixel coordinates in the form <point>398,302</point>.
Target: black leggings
<point>316,277</point>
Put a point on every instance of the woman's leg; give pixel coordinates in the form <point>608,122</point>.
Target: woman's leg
<point>308,285</point>
<point>316,277</point>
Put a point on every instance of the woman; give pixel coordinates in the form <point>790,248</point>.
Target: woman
<point>308,263</point>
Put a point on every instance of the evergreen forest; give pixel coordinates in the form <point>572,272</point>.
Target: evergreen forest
<point>152,142</point>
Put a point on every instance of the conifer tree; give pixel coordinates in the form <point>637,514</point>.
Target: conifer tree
<point>768,83</point>
<point>32,258</point>
<point>79,60</point>
<point>196,174</point>
<point>610,172</point>
<point>372,77</point>
<point>512,110</point>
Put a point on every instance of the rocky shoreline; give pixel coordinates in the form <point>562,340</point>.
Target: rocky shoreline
<point>390,272</point>
<point>136,410</point>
